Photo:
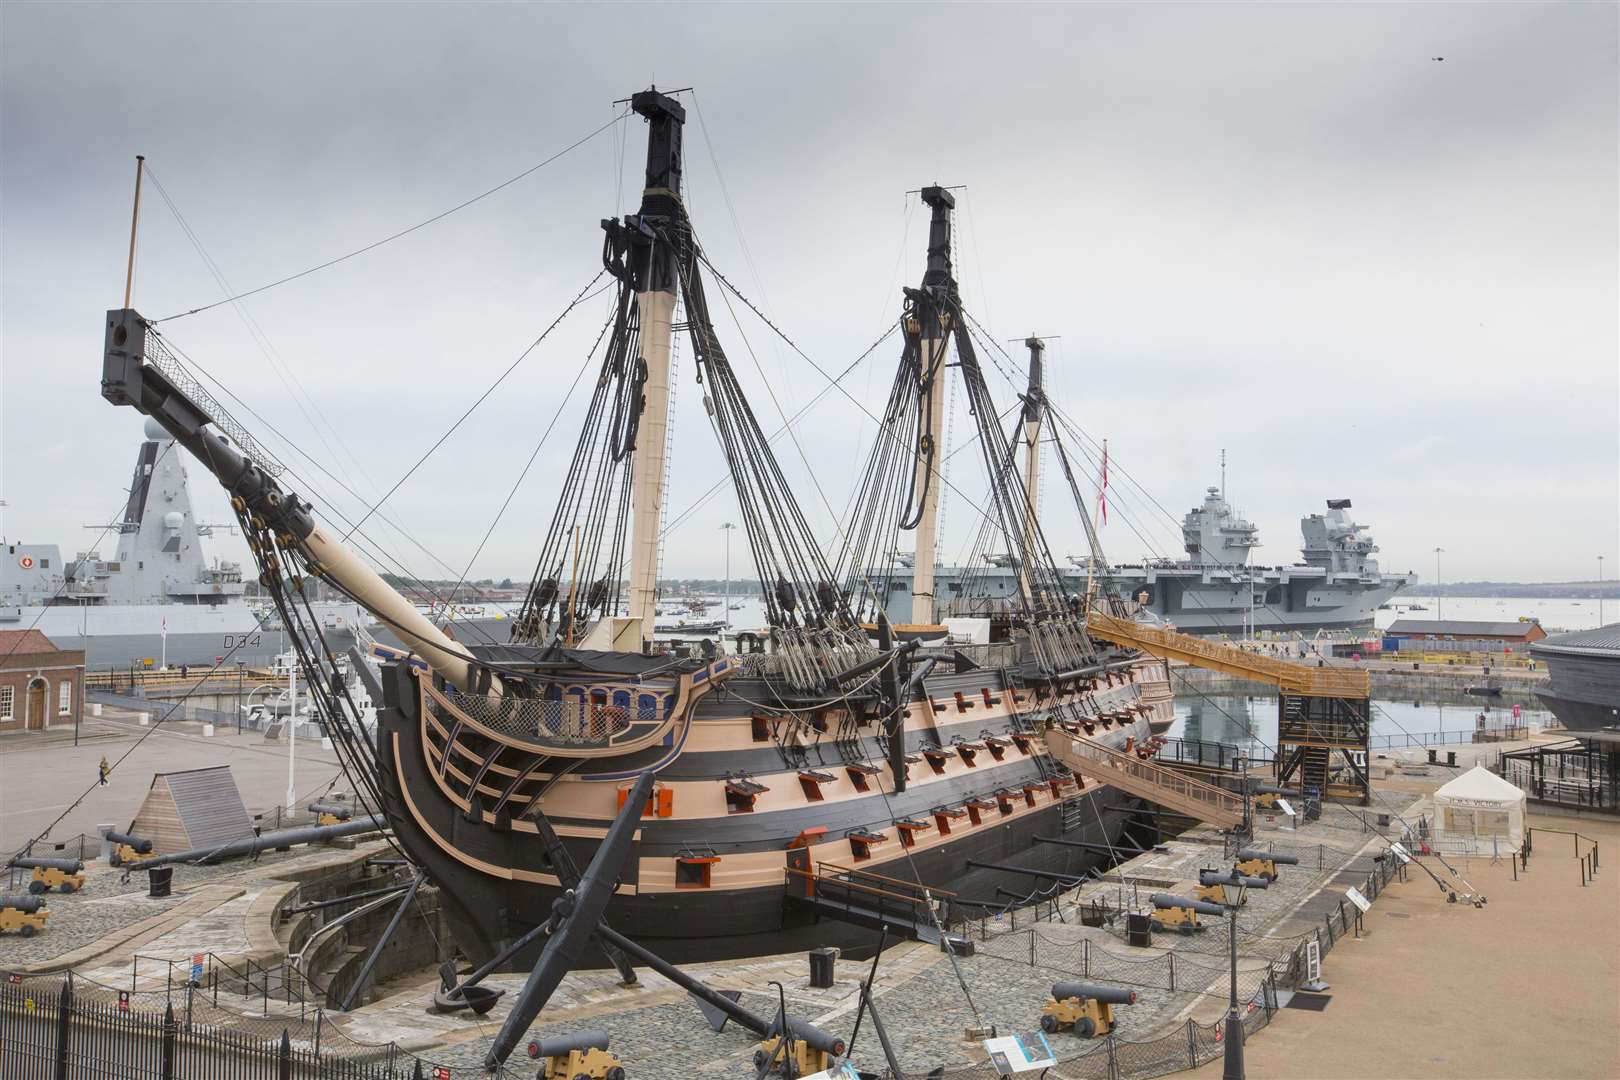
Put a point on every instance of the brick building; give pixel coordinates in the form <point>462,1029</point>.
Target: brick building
<point>1521,632</point>
<point>41,686</point>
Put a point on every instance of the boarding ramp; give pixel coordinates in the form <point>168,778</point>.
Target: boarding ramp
<point>1324,720</point>
<point>1147,779</point>
<point>1213,656</point>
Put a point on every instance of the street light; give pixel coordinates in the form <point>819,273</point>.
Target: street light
<point>1600,590</point>
<point>1439,602</point>
<point>1233,886</point>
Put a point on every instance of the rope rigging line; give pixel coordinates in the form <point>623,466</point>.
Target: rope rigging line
<point>403,232</point>
<point>583,295</point>
<point>358,538</point>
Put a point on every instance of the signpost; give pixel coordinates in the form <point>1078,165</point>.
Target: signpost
<point>1011,1054</point>
<point>1355,897</point>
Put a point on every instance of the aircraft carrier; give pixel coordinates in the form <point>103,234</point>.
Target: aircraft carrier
<point>1214,590</point>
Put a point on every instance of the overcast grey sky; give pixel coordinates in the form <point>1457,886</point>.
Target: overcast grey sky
<point>1282,230</point>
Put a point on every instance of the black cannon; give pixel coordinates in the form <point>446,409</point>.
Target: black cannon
<point>1085,1008</point>
<point>24,914</point>
<point>330,813</point>
<point>1263,863</point>
<point>1212,884</point>
<point>126,848</point>
<point>64,874</point>
<point>809,1050</point>
<point>1181,912</point>
<point>575,1055</point>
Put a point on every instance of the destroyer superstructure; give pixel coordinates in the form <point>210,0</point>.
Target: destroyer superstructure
<point>158,599</point>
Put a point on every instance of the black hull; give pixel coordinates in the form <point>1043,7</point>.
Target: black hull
<point>723,925</point>
<point>487,911</point>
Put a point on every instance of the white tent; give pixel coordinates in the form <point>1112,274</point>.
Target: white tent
<point>1479,812</point>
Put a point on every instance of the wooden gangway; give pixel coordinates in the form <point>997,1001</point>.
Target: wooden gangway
<point>1291,677</point>
<point>1146,779</point>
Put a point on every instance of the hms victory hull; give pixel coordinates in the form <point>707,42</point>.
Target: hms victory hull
<point>708,878</point>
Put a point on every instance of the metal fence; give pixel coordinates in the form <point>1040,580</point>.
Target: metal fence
<point>56,1028</point>
<point>1190,1045</point>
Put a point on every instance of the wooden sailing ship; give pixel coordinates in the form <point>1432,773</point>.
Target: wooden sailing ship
<point>825,780</point>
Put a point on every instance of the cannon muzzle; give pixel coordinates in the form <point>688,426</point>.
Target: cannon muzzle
<point>1227,877</point>
<point>1108,995</point>
<point>816,1038</point>
<point>28,905</point>
<point>1164,900</point>
<point>563,1045</point>
<point>142,847</point>
<point>341,811</point>
<point>1273,856</point>
<point>28,862</point>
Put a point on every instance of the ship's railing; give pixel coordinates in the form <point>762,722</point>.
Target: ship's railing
<point>161,357</point>
<point>571,722</point>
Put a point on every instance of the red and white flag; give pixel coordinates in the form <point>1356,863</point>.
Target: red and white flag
<point>1102,492</point>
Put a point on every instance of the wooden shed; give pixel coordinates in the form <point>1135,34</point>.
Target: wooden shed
<point>197,808</point>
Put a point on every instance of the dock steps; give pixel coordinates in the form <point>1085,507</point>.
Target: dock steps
<point>1147,779</point>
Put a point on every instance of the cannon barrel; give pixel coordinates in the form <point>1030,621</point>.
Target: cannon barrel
<point>142,847</point>
<point>28,862</point>
<point>26,904</point>
<point>250,845</point>
<point>338,810</point>
<point>1170,900</point>
<point>1275,856</point>
<point>1227,877</point>
<point>1108,995</point>
<point>814,1037</point>
<point>563,1045</point>
<point>1268,789</point>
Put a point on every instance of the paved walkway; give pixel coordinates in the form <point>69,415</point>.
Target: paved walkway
<point>42,774</point>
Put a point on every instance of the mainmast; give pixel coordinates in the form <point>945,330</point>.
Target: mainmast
<point>1034,410</point>
<point>931,312</point>
<point>652,261</point>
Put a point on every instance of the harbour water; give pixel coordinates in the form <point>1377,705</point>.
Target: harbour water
<point>1554,613</point>
<point>1251,722</point>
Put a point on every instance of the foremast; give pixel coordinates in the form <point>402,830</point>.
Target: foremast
<point>653,265</point>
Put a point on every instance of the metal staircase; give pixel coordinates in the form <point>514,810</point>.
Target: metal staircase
<point>1323,715</point>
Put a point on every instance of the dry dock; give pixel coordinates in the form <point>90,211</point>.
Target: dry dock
<point>1524,986</point>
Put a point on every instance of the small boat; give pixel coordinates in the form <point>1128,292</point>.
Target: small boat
<point>1417,607</point>
<point>1483,691</point>
<point>681,626</point>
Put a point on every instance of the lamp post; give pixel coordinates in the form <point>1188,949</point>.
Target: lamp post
<point>728,528</point>
<point>1232,887</point>
<point>241,672</point>
<point>1439,603</point>
<point>1600,590</point>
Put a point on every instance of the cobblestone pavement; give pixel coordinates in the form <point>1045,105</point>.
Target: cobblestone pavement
<point>657,1030</point>
<point>108,903</point>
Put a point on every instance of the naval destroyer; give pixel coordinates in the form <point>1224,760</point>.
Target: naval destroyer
<point>159,599</point>
<point>1213,590</point>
